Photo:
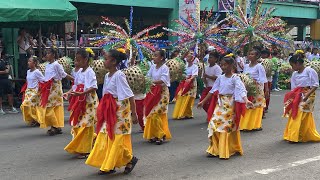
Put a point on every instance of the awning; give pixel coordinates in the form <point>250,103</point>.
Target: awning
<point>12,11</point>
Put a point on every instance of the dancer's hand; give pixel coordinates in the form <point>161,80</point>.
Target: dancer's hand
<point>134,117</point>
<point>200,105</point>
<point>249,104</point>
<point>74,93</point>
<point>66,95</point>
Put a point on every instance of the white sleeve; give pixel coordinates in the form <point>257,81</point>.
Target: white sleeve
<point>216,85</point>
<point>218,71</point>
<point>195,70</point>
<point>313,77</point>
<point>123,89</point>
<point>293,84</point>
<point>149,74</point>
<point>165,76</point>
<point>262,75</point>
<point>91,80</point>
<point>39,76</point>
<point>60,69</point>
<point>240,90</point>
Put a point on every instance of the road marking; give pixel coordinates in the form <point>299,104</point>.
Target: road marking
<point>287,166</point>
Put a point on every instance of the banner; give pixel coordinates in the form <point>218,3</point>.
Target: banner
<point>191,7</point>
<point>226,5</point>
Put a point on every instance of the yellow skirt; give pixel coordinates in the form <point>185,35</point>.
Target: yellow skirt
<point>225,144</point>
<point>183,107</point>
<point>252,119</point>
<point>157,127</point>
<point>29,114</point>
<point>82,141</point>
<point>51,116</point>
<point>301,129</point>
<point>108,154</point>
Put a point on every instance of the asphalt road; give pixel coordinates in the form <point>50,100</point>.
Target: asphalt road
<point>29,154</point>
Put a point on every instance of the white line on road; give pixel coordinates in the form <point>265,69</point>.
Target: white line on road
<point>287,166</point>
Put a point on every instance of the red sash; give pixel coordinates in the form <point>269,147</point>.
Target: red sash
<point>106,112</point>
<point>184,86</point>
<point>240,110</point>
<point>213,104</point>
<point>205,92</point>
<point>23,90</point>
<point>45,89</point>
<point>77,105</point>
<point>152,98</point>
<point>292,100</point>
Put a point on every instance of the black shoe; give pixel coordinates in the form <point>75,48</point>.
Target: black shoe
<point>132,163</point>
<point>106,173</point>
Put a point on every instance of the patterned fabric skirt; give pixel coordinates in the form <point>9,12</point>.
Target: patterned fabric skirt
<point>302,128</point>
<point>83,131</point>
<point>30,105</point>
<point>53,113</point>
<point>108,154</point>
<point>82,141</point>
<point>223,136</point>
<point>156,123</point>
<point>253,117</point>
<point>184,104</point>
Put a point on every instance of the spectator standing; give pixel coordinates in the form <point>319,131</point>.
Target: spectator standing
<point>6,86</point>
<point>24,44</point>
<point>314,56</point>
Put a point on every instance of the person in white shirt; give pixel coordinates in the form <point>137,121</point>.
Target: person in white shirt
<point>31,96</point>
<point>210,74</point>
<point>51,110</point>
<point>314,56</point>
<point>253,117</point>
<point>156,102</point>
<point>229,94</point>
<point>209,50</point>
<point>82,106</point>
<point>186,91</point>
<point>24,43</point>
<point>239,62</point>
<point>116,113</point>
<point>299,102</point>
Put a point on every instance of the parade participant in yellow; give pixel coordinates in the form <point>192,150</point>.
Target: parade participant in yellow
<point>156,102</point>
<point>51,113</point>
<point>31,96</point>
<point>229,97</point>
<point>186,91</point>
<point>299,102</point>
<point>116,113</point>
<point>253,117</point>
<point>83,104</point>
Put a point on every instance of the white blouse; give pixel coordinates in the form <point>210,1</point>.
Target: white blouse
<point>192,70</point>
<point>160,74</point>
<point>88,78</point>
<point>34,77</point>
<point>256,72</point>
<point>212,71</point>
<point>117,85</point>
<point>74,73</point>
<point>230,86</point>
<point>308,78</point>
<point>54,70</point>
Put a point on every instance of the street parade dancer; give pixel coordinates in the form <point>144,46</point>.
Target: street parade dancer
<point>156,102</point>
<point>228,104</point>
<point>116,113</point>
<point>299,102</point>
<point>31,95</point>
<point>186,91</point>
<point>82,105</point>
